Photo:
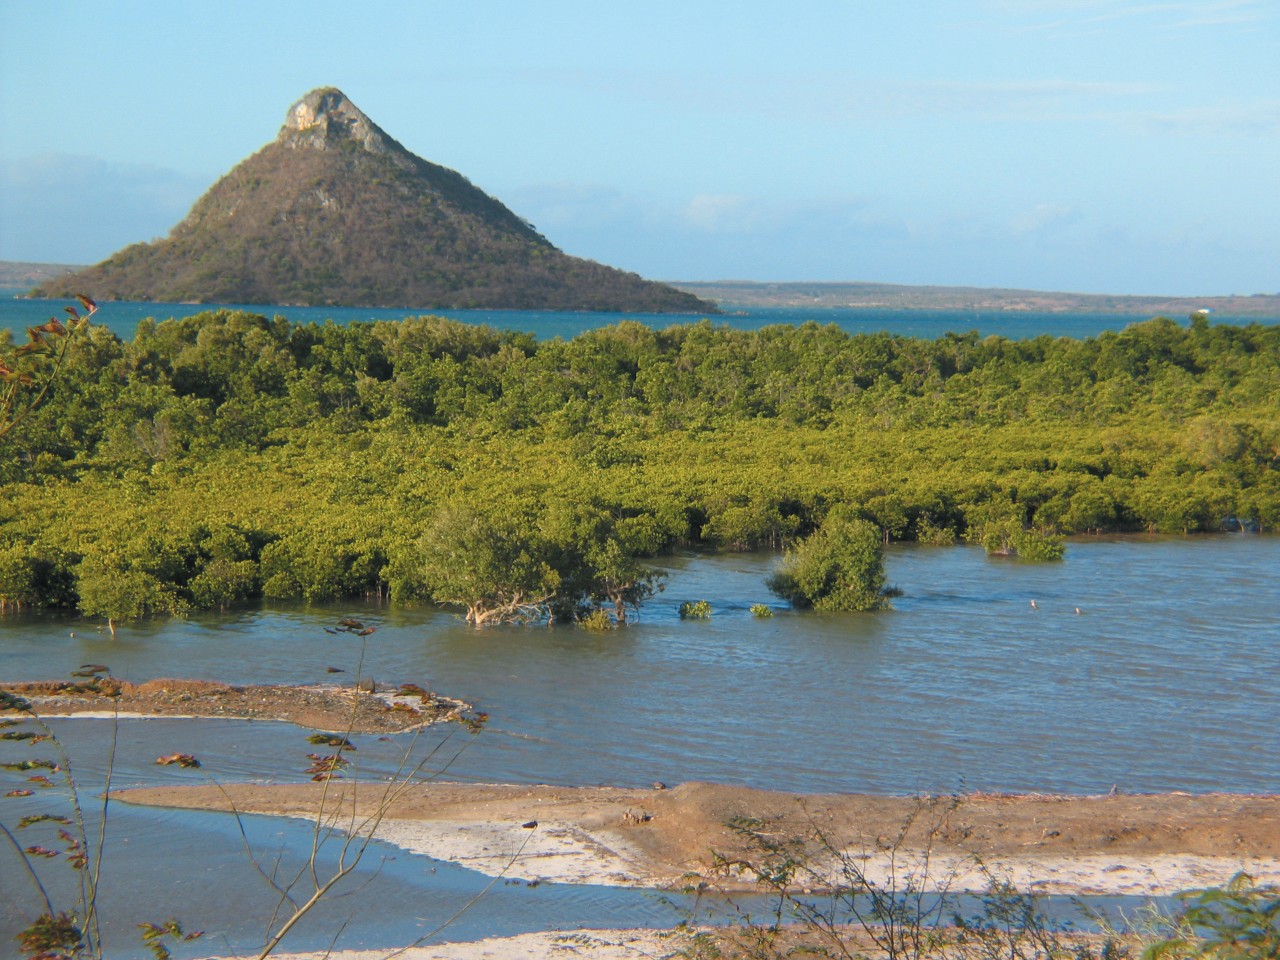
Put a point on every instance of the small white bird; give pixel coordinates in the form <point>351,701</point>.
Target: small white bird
<point>1033,605</point>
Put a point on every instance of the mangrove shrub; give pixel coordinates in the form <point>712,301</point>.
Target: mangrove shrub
<point>840,567</point>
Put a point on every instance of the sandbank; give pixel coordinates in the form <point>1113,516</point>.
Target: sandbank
<point>328,707</point>
<point>1143,845</point>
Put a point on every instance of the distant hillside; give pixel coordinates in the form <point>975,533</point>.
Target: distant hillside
<point>336,212</point>
<point>21,276</point>
<point>886,296</point>
<point>746,294</point>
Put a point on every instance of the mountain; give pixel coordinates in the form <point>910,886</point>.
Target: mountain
<point>336,212</point>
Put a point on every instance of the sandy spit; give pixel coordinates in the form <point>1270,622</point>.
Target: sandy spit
<point>1154,844</point>
<point>329,707</point>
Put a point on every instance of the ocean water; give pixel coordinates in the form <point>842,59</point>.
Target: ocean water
<point>122,318</point>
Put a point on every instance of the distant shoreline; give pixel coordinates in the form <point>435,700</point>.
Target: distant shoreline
<point>21,275</point>
<point>745,294</point>
<point>729,294</point>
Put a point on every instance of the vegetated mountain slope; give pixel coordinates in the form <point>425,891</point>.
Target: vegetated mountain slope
<point>336,212</point>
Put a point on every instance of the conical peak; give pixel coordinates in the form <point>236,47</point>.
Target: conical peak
<point>346,216</point>
<point>325,119</point>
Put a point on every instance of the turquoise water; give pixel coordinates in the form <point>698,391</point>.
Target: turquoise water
<point>122,318</point>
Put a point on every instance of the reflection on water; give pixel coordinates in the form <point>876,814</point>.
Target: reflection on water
<point>1164,680</point>
<point>193,866</point>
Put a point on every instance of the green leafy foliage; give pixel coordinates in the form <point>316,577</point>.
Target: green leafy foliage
<point>695,610</point>
<point>494,566</point>
<point>52,937</point>
<point>597,620</point>
<point>598,556</point>
<point>27,372</point>
<point>155,934</point>
<point>839,568</point>
<point>1000,530</point>
<point>226,457</point>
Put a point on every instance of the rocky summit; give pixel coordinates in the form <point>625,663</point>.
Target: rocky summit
<point>335,212</point>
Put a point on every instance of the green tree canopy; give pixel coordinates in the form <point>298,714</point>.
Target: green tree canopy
<point>493,565</point>
<point>840,567</point>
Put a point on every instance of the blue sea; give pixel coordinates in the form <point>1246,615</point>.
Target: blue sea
<point>122,318</point>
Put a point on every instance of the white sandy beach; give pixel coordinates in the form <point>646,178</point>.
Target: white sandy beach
<point>564,852</point>
<point>1143,845</point>
<point>1130,845</point>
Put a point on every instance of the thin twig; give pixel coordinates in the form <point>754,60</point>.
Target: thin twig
<point>92,907</point>
<point>31,871</point>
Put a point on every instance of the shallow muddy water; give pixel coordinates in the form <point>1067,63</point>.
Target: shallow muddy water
<point>1164,680</point>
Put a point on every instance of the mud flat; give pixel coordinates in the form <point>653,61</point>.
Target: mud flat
<point>1144,845</point>
<point>1138,844</point>
<point>329,707</point>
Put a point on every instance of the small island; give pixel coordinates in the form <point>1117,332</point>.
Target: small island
<point>335,212</point>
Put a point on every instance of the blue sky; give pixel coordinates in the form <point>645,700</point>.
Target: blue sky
<point>1082,145</point>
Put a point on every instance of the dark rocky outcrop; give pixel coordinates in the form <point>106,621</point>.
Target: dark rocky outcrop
<point>336,212</point>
